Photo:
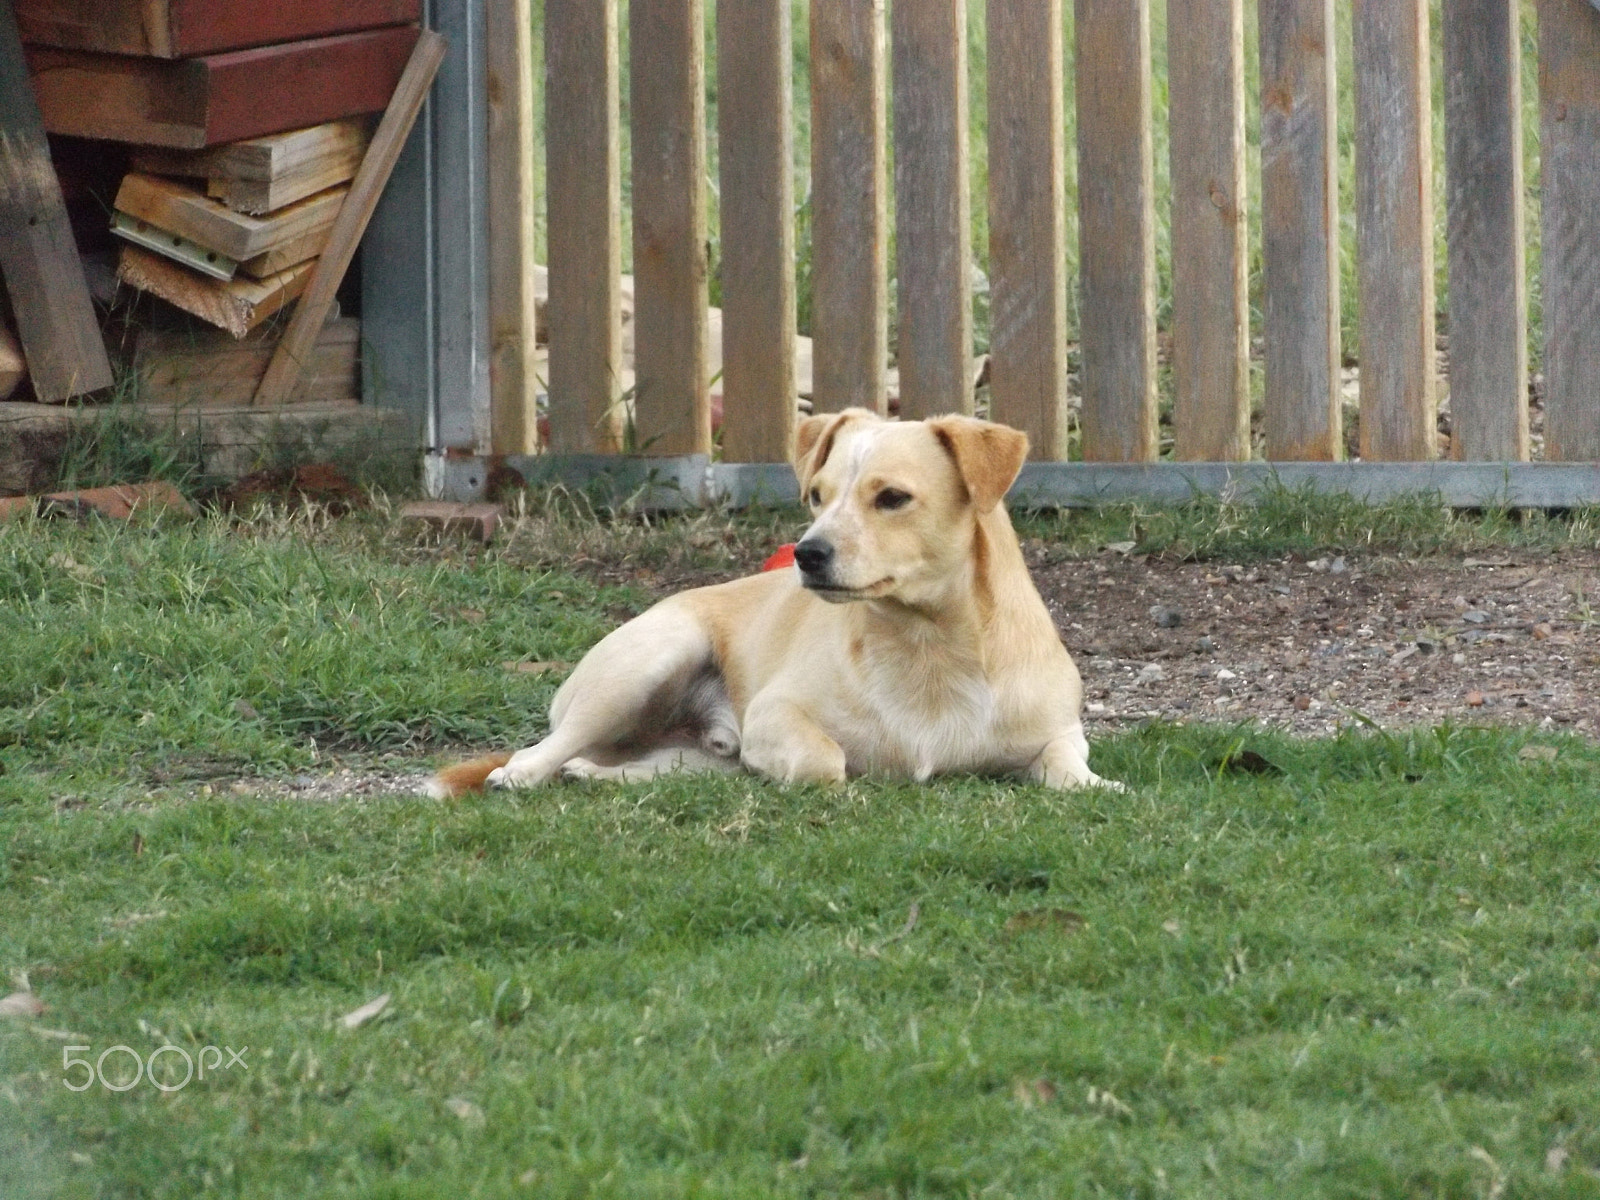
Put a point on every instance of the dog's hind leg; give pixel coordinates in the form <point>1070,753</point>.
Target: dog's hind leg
<point>1064,763</point>
<point>632,679</point>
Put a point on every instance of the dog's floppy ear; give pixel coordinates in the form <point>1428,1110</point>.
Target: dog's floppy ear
<point>813,440</point>
<point>987,455</point>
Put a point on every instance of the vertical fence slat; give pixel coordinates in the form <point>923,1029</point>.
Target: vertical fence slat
<point>513,390</point>
<point>932,207</point>
<point>1488,288</point>
<point>755,150</point>
<point>1028,223</point>
<point>1569,101</point>
<point>1116,230</point>
<point>667,73</point>
<point>1210,246</point>
<point>1394,229</point>
<point>849,205</point>
<point>584,197</point>
<point>1299,232</point>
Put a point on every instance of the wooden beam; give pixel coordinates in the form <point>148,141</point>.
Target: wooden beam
<point>1569,150</point>
<point>1210,246</point>
<point>583,181</point>
<point>215,370</point>
<point>756,155</point>
<point>55,317</point>
<point>1028,223</point>
<point>1116,231</point>
<point>849,205</point>
<point>672,409</point>
<point>189,28</point>
<point>237,305</point>
<point>1488,285</point>
<point>184,211</point>
<point>513,386</point>
<point>1300,231</point>
<point>295,348</point>
<point>1394,230</point>
<point>200,102</point>
<point>933,210</point>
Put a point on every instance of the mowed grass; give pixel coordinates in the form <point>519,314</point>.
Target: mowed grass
<point>1371,970</point>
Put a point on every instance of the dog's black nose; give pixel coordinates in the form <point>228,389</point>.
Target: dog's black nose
<point>813,556</point>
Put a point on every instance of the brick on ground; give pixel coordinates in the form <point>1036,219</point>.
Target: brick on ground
<point>447,516</point>
<point>121,501</point>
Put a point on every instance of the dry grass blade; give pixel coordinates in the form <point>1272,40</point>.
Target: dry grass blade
<point>1037,920</point>
<point>358,1017</point>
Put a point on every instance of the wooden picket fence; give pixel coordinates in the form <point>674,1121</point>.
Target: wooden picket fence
<point>853,43</point>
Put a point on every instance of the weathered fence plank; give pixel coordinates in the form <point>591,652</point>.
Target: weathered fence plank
<point>1210,246</point>
<point>1028,223</point>
<point>1569,101</point>
<point>1116,230</point>
<point>583,187</point>
<point>849,204</point>
<point>1394,229</point>
<point>755,151</point>
<point>667,78</point>
<point>1488,287</point>
<point>1299,231</point>
<point>933,211</point>
<point>513,387</point>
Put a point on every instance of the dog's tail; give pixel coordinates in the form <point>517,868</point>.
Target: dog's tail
<point>464,777</point>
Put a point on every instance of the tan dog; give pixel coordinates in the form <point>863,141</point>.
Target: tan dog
<point>908,640</point>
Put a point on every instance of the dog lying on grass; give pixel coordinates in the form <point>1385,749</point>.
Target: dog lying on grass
<point>907,641</point>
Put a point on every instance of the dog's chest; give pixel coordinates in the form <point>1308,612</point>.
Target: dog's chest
<point>924,722</point>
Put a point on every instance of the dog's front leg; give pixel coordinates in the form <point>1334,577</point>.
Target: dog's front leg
<point>1064,763</point>
<point>782,741</point>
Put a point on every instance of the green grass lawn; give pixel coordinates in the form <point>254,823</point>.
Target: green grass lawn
<point>1373,970</point>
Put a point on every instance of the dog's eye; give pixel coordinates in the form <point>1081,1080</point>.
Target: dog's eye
<point>891,498</point>
<point>815,497</point>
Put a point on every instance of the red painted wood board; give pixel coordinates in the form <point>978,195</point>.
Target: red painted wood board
<point>221,97</point>
<point>190,28</point>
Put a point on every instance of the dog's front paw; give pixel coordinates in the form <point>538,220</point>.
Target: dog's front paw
<point>513,776</point>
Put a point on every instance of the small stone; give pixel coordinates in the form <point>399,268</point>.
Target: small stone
<point>1459,660</point>
<point>1224,674</point>
<point>1166,617</point>
<point>1542,630</point>
<point>1476,615</point>
<point>1475,699</point>
<point>1152,673</point>
<point>1319,565</point>
<point>1206,644</point>
<point>1337,567</point>
<point>1302,702</point>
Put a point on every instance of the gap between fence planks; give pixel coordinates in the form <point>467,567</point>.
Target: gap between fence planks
<point>755,143</point>
<point>312,312</point>
<point>1116,231</point>
<point>1569,101</point>
<point>43,274</point>
<point>1488,287</point>
<point>1210,248</point>
<point>584,194</point>
<point>1300,232</point>
<point>1028,223</point>
<point>513,386</point>
<point>933,210</point>
<point>1394,230</point>
<point>849,205</point>
<point>672,409</point>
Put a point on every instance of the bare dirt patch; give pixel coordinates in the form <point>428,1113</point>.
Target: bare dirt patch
<point>1507,638</point>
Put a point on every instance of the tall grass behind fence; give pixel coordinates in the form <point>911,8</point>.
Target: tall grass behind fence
<point>870,324</point>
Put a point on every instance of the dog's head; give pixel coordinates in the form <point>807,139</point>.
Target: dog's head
<point>895,504</point>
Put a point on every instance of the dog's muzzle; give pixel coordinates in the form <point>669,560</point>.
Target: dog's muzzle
<point>814,557</point>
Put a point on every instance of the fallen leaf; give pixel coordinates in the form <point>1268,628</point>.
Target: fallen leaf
<point>246,710</point>
<point>1541,631</point>
<point>21,1004</point>
<point>472,615</point>
<point>1121,547</point>
<point>1171,927</point>
<point>465,1109</point>
<point>1031,1093</point>
<point>358,1017</point>
<point>1302,702</point>
<point>1035,920</point>
<point>535,668</point>
<point>1538,753</point>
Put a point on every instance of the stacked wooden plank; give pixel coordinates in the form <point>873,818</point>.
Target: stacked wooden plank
<point>231,234</point>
